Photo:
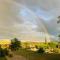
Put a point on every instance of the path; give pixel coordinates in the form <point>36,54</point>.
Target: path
<point>16,57</point>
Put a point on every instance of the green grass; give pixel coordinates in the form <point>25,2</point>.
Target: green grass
<point>29,55</point>
<point>40,44</point>
<point>3,58</point>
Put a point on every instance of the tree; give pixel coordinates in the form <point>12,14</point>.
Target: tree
<point>59,37</point>
<point>58,46</point>
<point>15,44</point>
<point>45,40</point>
<point>58,19</point>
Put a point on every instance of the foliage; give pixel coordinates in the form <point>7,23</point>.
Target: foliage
<point>52,44</point>
<point>41,50</point>
<point>36,46</point>
<point>1,52</point>
<point>43,45</point>
<point>59,37</point>
<point>6,51</point>
<point>15,44</point>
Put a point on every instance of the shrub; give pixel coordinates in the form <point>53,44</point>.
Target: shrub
<point>6,51</point>
<point>15,44</point>
<point>2,53</point>
<point>41,50</point>
<point>36,46</point>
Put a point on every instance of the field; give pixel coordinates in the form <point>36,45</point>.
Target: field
<point>33,44</point>
<point>27,54</point>
<point>39,44</point>
<point>30,55</point>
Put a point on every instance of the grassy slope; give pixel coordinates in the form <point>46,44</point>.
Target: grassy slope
<point>29,55</point>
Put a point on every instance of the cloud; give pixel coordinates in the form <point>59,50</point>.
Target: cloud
<point>22,22</point>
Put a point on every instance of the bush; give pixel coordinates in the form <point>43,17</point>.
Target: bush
<point>41,50</point>
<point>1,53</point>
<point>15,44</point>
<point>36,46</point>
<point>10,55</point>
<point>6,51</point>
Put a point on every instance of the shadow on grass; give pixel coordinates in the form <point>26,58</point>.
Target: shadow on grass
<point>30,55</point>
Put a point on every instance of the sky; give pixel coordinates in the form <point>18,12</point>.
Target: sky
<point>28,17</point>
<point>46,10</point>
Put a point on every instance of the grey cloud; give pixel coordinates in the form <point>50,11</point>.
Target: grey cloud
<point>12,23</point>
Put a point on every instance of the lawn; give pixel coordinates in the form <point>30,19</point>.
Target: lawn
<point>30,55</point>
